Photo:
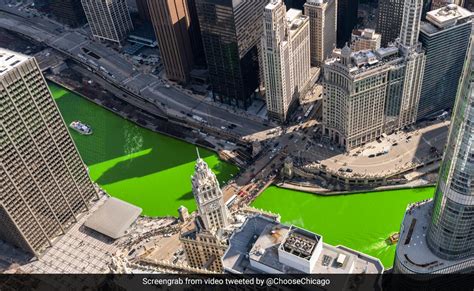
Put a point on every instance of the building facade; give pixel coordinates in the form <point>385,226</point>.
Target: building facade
<point>45,185</point>
<point>204,240</point>
<point>356,88</point>
<point>323,26</point>
<point>231,39</point>
<point>415,60</point>
<point>444,61</point>
<point>389,20</point>
<point>69,12</point>
<point>437,235</point>
<point>450,234</point>
<point>286,58</point>
<point>346,20</point>
<point>365,39</point>
<point>171,22</point>
<point>143,10</point>
<point>108,19</point>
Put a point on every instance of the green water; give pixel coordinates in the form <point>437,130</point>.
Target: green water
<point>360,221</point>
<point>153,171</point>
<point>137,165</point>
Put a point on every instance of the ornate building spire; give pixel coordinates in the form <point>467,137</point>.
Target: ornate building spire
<point>209,198</point>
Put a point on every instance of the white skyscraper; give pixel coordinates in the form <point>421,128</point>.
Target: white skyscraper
<point>209,198</point>
<point>414,59</point>
<point>286,57</point>
<point>108,19</point>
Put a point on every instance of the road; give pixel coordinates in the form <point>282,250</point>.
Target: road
<point>117,70</point>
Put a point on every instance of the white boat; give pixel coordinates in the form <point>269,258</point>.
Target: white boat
<point>80,127</point>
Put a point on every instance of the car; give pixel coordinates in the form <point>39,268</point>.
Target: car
<point>349,170</point>
<point>167,86</point>
<point>371,156</point>
<point>394,144</point>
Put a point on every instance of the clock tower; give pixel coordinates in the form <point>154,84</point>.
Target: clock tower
<point>209,198</point>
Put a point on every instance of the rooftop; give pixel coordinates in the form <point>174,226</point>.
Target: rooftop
<point>113,218</point>
<point>445,17</point>
<point>259,238</point>
<point>10,59</point>
<point>412,248</point>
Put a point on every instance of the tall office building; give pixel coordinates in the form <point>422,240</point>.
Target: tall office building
<point>231,38</point>
<point>45,185</point>
<point>108,19</point>
<point>171,21</point>
<point>286,57</point>
<point>357,89</point>
<point>69,12</point>
<point>365,39</point>
<point>414,59</point>
<point>389,20</point>
<point>437,237</point>
<point>323,26</point>
<point>346,20</point>
<point>204,241</point>
<point>444,61</point>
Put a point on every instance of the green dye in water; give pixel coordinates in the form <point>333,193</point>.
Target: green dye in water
<point>153,171</point>
<point>359,221</point>
<point>150,170</point>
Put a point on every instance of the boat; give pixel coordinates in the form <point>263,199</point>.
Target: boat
<point>80,127</point>
<point>393,238</point>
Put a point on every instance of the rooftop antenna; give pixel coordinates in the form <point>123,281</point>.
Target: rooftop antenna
<point>197,151</point>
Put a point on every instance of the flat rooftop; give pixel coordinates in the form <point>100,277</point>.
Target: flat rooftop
<point>412,248</point>
<point>113,218</point>
<point>447,16</point>
<point>10,59</point>
<point>259,238</point>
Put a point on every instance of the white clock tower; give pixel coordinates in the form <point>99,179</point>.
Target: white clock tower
<point>208,196</point>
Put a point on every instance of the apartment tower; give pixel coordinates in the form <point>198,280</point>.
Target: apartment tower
<point>231,33</point>
<point>45,185</point>
<point>444,61</point>
<point>171,22</point>
<point>436,236</point>
<point>108,19</point>
<point>323,26</point>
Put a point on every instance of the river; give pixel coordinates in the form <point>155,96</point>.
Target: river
<point>153,171</point>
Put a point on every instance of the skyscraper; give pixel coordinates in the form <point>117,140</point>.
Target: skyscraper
<point>437,236</point>
<point>414,61</point>
<point>108,19</point>
<point>346,20</point>
<point>69,12</point>
<point>357,88</point>
<point>203,241</point>
<point>171,21</point>
<point>444,61</point>
<point>45,185</point>
<point>389,19</point>
<point>286,57</point>
<point>323,25</point>
<point>231,37</point>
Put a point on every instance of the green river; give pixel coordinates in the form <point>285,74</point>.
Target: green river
<point>153,171</point>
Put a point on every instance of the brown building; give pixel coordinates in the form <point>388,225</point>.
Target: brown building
<point>171,22</point>
<point>69,12</point>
